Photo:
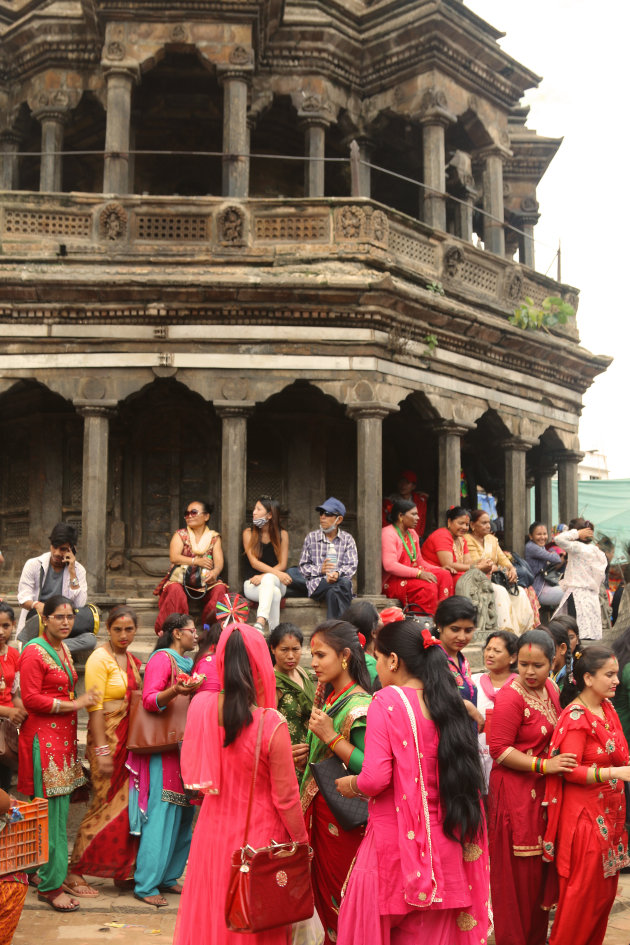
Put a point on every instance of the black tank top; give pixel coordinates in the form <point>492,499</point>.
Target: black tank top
<point>268,557</point>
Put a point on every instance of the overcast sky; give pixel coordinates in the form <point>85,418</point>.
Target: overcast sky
<point>581,50</point>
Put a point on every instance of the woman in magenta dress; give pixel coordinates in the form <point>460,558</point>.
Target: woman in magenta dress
<point>447,548</point>
<point>406,576</point>
<point>525,713</point>
<point>217,759</point>
<point>586,832</point>
<point>421,872</point>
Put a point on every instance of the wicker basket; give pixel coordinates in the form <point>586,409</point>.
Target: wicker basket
<point>25,844</point>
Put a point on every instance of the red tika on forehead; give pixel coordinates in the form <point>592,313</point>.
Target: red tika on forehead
<point>530,648</point>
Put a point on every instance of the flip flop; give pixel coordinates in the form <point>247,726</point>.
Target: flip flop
<point>72,888</point>
<point>158,905</point>
<point>48,899</point>
<point>34,879</point>
<point>175,890</point>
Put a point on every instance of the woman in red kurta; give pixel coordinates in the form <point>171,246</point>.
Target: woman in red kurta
<point>11,706</point>
<point>525,713</point>
<point>406,576</point>
<point>48,759</point>
<point>586,828</point>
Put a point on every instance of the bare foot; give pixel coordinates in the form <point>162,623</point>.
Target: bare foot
<point>157,901</point>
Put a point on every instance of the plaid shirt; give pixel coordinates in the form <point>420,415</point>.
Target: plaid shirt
<point>315,552</point>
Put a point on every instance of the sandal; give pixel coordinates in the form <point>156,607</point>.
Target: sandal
<point>158,901</point>
<point>74,887</point>
<point>34,879</point>
<point>175,890</point>
<point>49,897</point>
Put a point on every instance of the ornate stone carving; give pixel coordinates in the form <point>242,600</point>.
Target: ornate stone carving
<point>241,56</point>
<point>115,50</point>
<point>113,222</point>
<point>529,204</point>
<point>453,261</point>
<point>504,138</point>
<point>514,287</point>
<point>433,98</point>
<point>379,226</point>
<point>459,170</point>
<point>231,225</point>
<point>478,588</point>
<point>179,34</point>
<point>350,222</point>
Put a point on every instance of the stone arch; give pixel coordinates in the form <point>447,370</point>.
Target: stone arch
<point>277,121</point>
<point>165,447</point>
<point>41,478</point>
<point>301,448</point>
<point>483,456</point>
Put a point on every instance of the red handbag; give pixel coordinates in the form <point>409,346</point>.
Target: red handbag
<point>271,886</point>
<point>154,732</point>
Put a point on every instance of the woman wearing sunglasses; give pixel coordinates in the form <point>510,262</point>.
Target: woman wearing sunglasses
<point>195,545</point>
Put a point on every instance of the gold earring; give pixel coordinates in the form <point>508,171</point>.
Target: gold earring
<point>344,663</point>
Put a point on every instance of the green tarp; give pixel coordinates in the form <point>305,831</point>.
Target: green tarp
<point>606,502</point>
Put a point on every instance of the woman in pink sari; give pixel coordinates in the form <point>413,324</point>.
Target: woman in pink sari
<point>421,872</point>
<point>217,759</point>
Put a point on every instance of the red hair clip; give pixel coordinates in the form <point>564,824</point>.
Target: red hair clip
<point>428,639</point>
<point>391,615</point>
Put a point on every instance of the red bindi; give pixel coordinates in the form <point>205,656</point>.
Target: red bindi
<point>530,648</point>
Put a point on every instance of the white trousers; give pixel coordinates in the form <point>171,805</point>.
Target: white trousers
<point>268,594</point>
<point>513,613</point>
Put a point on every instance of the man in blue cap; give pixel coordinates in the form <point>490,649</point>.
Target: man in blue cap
<point>329,559</point>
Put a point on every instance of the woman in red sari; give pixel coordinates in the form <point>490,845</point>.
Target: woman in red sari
<point>586,829</point>
<point>525,713</point>
<point>104,846</point>
<point>406,576</point>
<point>447,548</point>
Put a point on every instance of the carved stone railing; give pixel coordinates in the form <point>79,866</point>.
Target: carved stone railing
<point>262,232</point>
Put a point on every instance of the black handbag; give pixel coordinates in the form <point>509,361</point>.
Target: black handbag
<point>500,577</point>
<point>350,812</point>
<point>551,576</point>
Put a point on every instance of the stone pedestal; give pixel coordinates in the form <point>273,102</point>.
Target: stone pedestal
<point>369,420</point>
<point>494,234</point>
<point>233,485</point>
<point>449,435</point>
<point>9,168</point>
<point>52,123</point>
<point>543,499</point>
<point>516,514</point>
<point>568,462</point>
<point>116,178</point>
<point>94,504</point>
<point>235,134</point>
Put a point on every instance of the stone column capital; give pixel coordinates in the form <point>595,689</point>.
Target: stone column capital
<point>127,69</point>
<point>103,408</point>
<point>10,136</point>
<point>229,72</point>
<point>228,409</point>
<point>52,113</point>
<point>434,109</point>
<point>518,444</point>
<point>494,150</point>
<point>370,411</point>
<point>452,428</point>
<point>546,471</point>
<point>569,457</point>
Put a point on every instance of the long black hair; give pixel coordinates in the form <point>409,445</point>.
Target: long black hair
<point>238,686</point>
<point>461,777</point>
<point>341,636</point>
<point>590,660</point>
<point>172,623</point>
<point>363,615</point>
<point>560,635</point>
<point>209,638</point>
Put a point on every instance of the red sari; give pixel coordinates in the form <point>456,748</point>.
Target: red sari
<point>586,833</point>
<point>442,539</point>
<point>104,846</point>
<point>516,821</point>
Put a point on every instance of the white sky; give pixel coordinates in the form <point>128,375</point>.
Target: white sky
<point>581,51</point>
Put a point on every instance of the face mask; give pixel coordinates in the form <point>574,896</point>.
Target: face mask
<point>259,522</point>
<point>331,528</point>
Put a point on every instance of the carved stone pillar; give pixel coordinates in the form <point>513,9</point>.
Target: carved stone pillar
<point>493,224</point>
<point>369,420</point>
<point>315,150</point>
<point>9,168</point>
<point>116,177</point>
<point>52,122</point>
<point>235,79</point>
<point>568,462</point>
<point>233,482</point>
<point>94,502</point>
<point>434,119</point>
<point>449,435</point>
<point>544,492</point>
<point>516,513</point>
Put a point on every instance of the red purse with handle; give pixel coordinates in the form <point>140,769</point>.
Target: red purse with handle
<point>271,886</point>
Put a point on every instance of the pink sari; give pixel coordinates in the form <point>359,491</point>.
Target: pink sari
<point>410,883</point>
<point>224,777</point>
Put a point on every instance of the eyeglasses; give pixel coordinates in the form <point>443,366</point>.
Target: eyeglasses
<point>190,512</point>
<point>61,617</point>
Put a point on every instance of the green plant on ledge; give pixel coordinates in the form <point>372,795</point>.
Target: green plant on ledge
<point>431,342</point>
<point>435,287</point>
<point>551,312</point>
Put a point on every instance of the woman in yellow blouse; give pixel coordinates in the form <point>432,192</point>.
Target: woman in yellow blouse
<point>104,846</point>
<point>514,611</point>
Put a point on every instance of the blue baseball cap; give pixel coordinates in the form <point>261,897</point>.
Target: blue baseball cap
<point>332,506</point>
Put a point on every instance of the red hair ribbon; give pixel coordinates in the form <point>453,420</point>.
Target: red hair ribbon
<point>232,609</point>
<point>428,639</point>
<point>391,615</point>
<point>361,638</point>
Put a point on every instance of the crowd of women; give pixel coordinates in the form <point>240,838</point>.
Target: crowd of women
<point>503,788</point>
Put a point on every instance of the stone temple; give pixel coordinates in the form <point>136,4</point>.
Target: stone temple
<point>207,290</point>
